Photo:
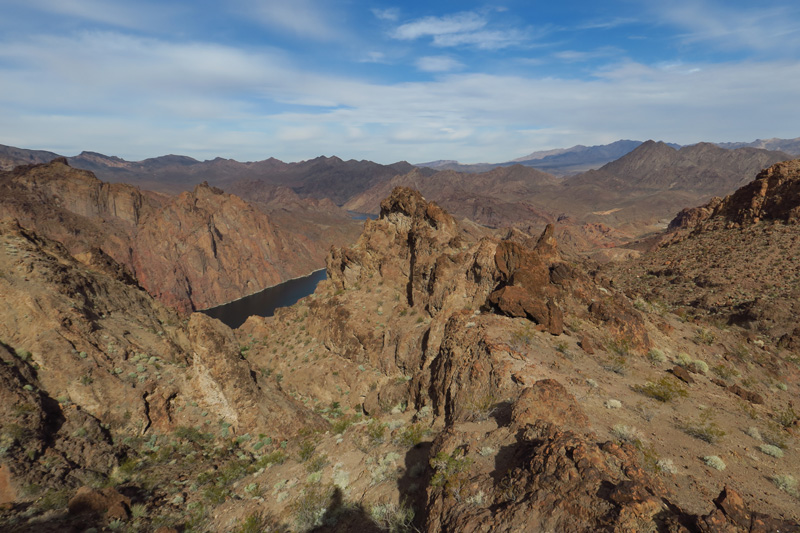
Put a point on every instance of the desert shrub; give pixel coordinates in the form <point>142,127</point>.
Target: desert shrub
<point>384,468</point>
<point>277,457</point>
<point>714,462</point>
<point>787,483</point>
<point>53,499</point>
<point>725,371</point>
<point>310,508</point>
<point>705,428</point>
<point>192,434</point>
<point>627,433</point>
<point>786,417</point>
<point>450,471</point>
<point>486,451</point>
<point>753,431</point>
<point>393,518</point>
<point>258,523</point>
<point>616,364</point>
<point>317,463</point>
<point>741,352</point>
<point>656,356</point>
<point>481,407</point>
<point>769,449</point>
<point>664,390</point>
<point>704,336</point>
<point>376,432</point>
<point>412,435</point>
<point>340,425</point>
<point>622,346</point>
<point>307,448</point>
<point>522,338</point>
<point>666,465</point>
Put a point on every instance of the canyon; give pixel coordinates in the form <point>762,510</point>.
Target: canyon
<point>447,376</point>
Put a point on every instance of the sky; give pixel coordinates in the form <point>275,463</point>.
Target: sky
<point>387,81</point>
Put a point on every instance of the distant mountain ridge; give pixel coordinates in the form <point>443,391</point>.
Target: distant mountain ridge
<point>580,158</point>
<point>322,177</point>
<point>790,146</point>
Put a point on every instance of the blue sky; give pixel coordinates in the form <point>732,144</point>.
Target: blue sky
<point>416,81</point>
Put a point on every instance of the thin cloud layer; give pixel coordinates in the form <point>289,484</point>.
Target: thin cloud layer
<point>377,88</point>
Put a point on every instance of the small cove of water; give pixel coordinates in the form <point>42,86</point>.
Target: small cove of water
<point>264,303</point>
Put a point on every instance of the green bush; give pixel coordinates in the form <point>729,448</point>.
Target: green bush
<point>307,448</point>
<point>450,471</point>
<point>704,429</point>
<point>714,462</point>
<point>664,390</point>
<point>412,435</point>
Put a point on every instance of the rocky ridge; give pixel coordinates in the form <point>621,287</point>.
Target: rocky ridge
<point>632,196</point>
<point>91,365</point>
<point>415,310</point>
<point>194,251</point>
<point>441,379</point>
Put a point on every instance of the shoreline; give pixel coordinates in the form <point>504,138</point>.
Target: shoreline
<point>261,290</point>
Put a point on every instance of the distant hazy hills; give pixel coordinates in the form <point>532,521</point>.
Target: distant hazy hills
<point>322,177</point>
<point>580,158</point>
<point>596,173</point>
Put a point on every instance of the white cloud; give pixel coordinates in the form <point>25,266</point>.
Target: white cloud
<point>386,14</point>
<point>575,56</point>
<point>139,98</point>
<point>311,19</point>
<point>373,57</point>
<point>437,26</point>
<point>463,29</point>
<point>485,40</point>
<point>142,15</point>
<point>438,64</point>
<point>758,28</point>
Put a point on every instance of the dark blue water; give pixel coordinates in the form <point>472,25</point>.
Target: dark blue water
<point>265,302</point>
<point>355,215</point>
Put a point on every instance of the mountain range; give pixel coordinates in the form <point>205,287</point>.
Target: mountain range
<point>580,158</point>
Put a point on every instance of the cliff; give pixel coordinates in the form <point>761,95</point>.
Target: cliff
<point>197,250</point>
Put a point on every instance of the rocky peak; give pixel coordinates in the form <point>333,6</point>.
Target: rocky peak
<point>774,195</point>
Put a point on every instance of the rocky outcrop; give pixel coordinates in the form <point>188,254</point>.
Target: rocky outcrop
<point>208,247</point>
<point>773,196</point>
<point>444,276</point>
<point>549,478</point>
<point>197,250</point>
<point>88,355</point>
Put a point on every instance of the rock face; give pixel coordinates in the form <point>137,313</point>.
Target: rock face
<point>195,251</point>
<point>720,258</point>
<point>418,250</point>
<point>549,478</point>
<point>85,354</point>
<point>773,196</point>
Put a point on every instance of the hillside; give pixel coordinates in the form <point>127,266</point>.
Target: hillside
<point>599,209</point>
<point>320,178</point>
<point>441,380</point>
<point>197,250</point>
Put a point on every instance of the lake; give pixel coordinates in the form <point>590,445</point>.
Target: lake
<point>265,302</point>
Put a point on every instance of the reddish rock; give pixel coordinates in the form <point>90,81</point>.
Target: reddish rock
<point>108,500</point>
<point>547,400</point>
<point>586,345</point>
<point>7,492</point>
<point>752,397</point>
<point>732,515</point>
<point>682,374</point>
